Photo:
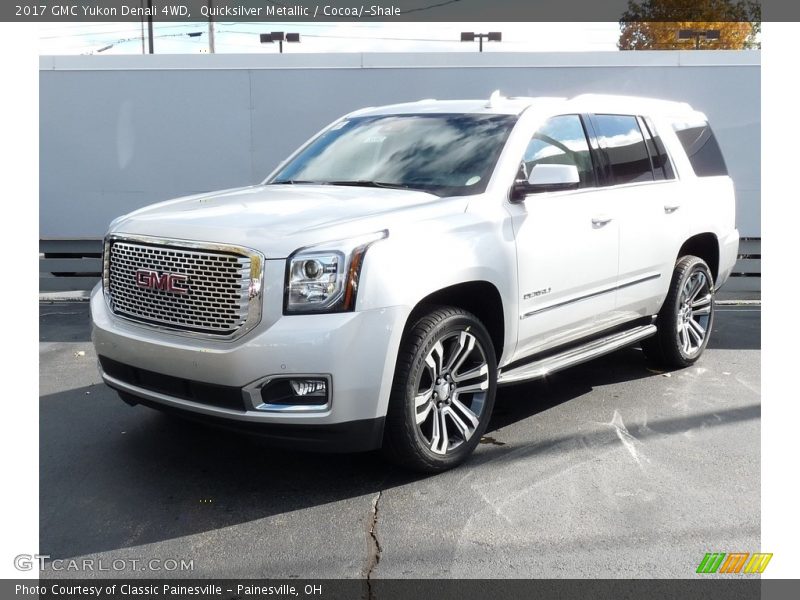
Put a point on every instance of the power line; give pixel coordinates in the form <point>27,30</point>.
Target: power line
<point>349,37</point>
<point>116,31</point>
<point>430,6</point>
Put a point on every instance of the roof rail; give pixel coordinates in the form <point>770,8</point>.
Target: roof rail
<point>638,100</point>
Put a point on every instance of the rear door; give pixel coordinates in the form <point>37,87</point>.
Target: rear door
<point>640,183</point>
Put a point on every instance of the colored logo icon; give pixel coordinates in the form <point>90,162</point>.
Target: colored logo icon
<point>734,562</point>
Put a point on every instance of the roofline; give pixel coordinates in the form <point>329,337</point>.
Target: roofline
<point>404,60</point>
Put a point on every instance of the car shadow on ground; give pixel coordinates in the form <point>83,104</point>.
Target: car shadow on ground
<point>113,477</point>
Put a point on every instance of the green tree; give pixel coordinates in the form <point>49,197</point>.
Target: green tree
<point>654,24</point>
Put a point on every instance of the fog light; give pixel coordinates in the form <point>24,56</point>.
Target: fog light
<point>309,387</point>
<point>303,391</point>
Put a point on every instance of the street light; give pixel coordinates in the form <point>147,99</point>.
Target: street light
<point>697,34</point>
<point>492,36</point>
<point>280,37</point>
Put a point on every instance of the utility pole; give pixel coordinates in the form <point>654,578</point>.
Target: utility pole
<point>141,4</point>
<point>150,25</point>
<point>211,49</point>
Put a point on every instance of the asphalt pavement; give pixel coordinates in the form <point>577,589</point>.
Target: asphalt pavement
<point>610,469</point>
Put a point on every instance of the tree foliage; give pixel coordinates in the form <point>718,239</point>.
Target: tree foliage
<point>654,24</point>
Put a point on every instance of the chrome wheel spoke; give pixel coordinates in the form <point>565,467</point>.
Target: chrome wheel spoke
<point>463,428</point>
<point>466,344</point>
<point>700,281</point>
<point>701,302</point>
<point>439,439</point>
<point>481,371</point>
<point>474,387</point>
<point>693,287</point>
<point>683,335</point>
<point>422,415</point>
<point>423,398</point>
<point>471,416</point>
<point>435,359</point>
<point>703,311</point>
<point>423,406</point>
<point>687,290</point>
<point>696,330</point>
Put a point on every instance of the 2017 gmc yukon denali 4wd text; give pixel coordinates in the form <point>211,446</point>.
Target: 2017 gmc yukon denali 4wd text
<point>383,281</point>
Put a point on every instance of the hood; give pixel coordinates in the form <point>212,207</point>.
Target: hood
<point>278,219</point>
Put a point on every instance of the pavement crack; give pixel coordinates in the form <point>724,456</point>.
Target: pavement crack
<point>375,548</point>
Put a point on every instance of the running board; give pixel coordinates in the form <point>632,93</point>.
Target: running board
<point>576,355</point>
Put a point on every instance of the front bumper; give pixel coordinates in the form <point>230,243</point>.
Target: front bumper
<point>357,351</point>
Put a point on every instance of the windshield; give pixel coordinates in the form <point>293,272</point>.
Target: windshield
<point>446,154</point>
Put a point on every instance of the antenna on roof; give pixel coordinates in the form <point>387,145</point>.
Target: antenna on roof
<point>494,99</point>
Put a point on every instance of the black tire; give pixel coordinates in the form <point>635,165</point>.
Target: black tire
<point>678,321</point>
<point>415,445</point>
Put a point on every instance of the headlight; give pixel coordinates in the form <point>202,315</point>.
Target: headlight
<point>324,278</point>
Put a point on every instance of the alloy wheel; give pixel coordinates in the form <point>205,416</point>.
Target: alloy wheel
<point>451,391</point>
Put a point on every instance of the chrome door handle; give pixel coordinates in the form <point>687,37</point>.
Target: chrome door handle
<point>671,208</point>
<point>601,221</point>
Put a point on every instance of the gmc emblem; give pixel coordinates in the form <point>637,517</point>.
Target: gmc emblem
<point>168,282</point>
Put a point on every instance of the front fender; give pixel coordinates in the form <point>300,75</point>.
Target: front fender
<point>414,262</point>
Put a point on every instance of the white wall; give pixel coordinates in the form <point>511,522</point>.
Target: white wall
<point>120,132</point>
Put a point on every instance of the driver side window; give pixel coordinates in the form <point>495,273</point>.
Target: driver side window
<point>561,141</point>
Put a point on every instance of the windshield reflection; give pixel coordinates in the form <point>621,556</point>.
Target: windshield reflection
<point>446,154</point>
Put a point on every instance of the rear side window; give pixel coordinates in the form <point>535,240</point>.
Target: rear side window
<point>662,167</point>
<point>702,148</point>
<point>622,142</point>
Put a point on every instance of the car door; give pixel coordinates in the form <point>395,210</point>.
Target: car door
<point>638,176</point>
<point>567,245</point>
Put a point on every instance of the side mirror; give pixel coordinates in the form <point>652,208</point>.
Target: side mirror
<point>546,178</point>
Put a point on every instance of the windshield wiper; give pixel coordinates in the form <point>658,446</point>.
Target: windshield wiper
<point>296,182</point>
<point>369,183</point>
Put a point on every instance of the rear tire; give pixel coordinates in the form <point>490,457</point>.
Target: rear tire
<point>686,318</point>
<point>443,391</point>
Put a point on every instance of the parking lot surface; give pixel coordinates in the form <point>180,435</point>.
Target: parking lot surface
<point>610,469</point>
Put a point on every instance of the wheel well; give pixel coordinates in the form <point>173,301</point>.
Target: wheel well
<point>481,298</point>
<point>705,246</point>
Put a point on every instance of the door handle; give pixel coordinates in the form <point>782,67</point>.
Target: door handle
<point>671,208</point>
<point>600,221</point>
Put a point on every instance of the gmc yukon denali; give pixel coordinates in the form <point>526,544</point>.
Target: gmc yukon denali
<point>385,279</point>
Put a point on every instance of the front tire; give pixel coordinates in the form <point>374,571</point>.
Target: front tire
<point>687,316</point>
<point>443,391</point>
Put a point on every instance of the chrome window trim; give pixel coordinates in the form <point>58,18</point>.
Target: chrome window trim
<point>255,299</point>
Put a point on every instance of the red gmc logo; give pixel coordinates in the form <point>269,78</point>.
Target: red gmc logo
<point>168,282</point>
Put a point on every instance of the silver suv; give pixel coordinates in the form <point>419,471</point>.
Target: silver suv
<point>381,283</point>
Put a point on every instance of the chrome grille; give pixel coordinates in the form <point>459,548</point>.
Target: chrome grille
<point>219,286</point>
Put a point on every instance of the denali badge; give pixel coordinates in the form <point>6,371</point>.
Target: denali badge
<point>169,282</point>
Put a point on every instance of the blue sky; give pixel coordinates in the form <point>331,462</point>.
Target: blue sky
<point>231,37</point>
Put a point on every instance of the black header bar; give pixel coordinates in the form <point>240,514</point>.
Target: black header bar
<point>395,10</point>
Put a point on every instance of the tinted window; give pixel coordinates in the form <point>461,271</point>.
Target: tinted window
<point>561,141</point>
<point>622,141</point>
<point>662,167</point>
<point>446,154</point>
<point>701,147</point>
